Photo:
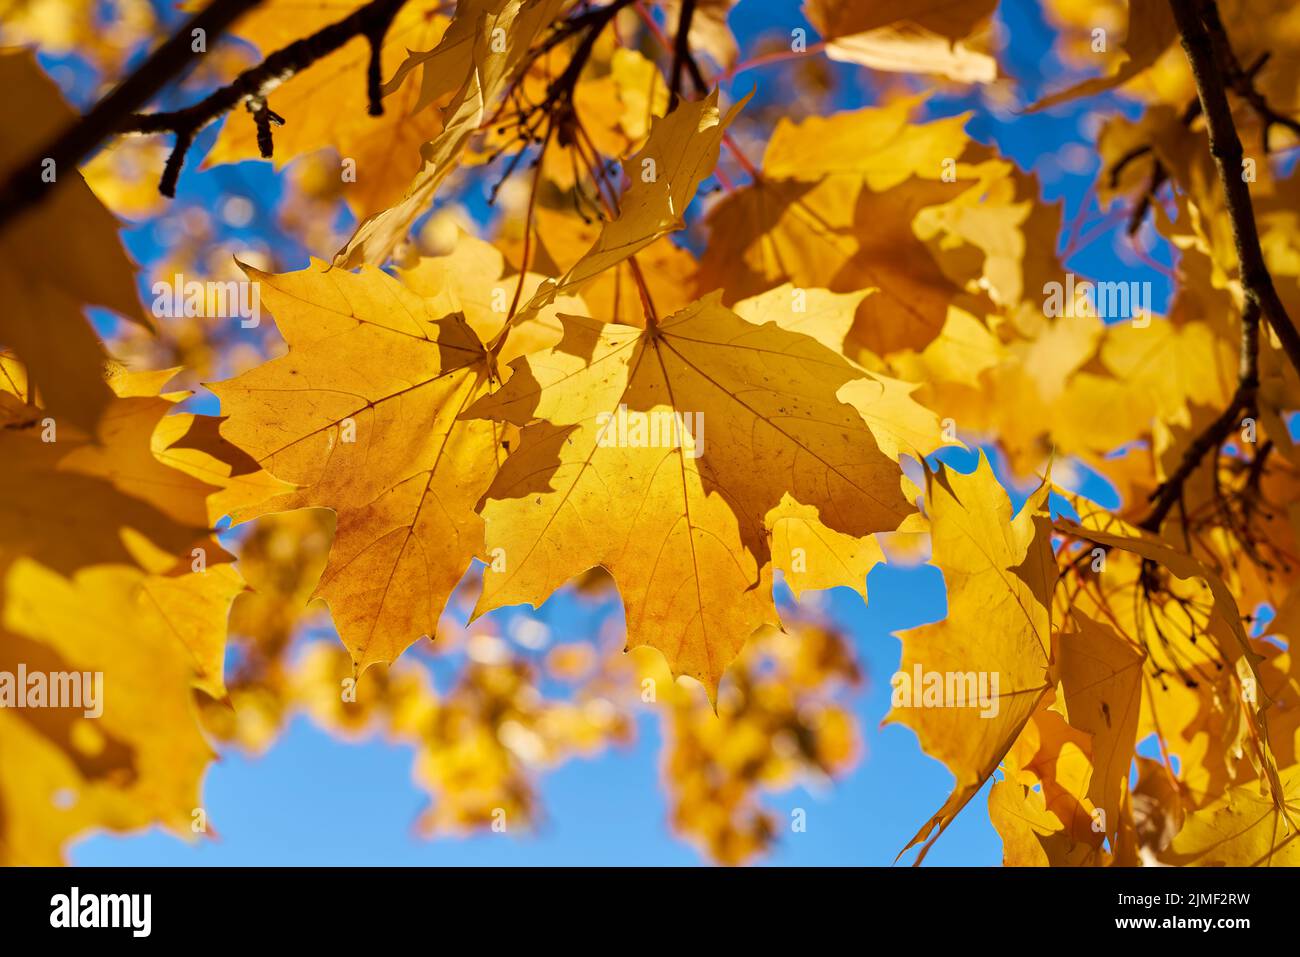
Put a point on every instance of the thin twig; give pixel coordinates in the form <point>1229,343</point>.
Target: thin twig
<point>252,87</point>
<point>681,51</point>
<point>25,187</point>
<point>1170,492</point>
<point>1225,147</point>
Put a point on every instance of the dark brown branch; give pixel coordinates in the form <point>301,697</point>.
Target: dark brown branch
<point>254,85</point>
<point>1170,492</point>
<point>1158,174</point>
<point>681,51</point>
<point>1211,58</point>
<point>1242,81</point>
<point>1225,147</point>
<point>24,185</point>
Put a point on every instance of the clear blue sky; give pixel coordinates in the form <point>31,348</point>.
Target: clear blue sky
<point>315,800</point>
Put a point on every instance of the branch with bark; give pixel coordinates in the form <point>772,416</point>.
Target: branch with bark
<point>24,187</point>
<point>253,87</point>
<point>1209,53</point>
<point>116,113</point>
<point>681,51</point>
<point>1242,82</point>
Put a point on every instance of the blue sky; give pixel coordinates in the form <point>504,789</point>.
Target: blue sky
<point>314,800</point>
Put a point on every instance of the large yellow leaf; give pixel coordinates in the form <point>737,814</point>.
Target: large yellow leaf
<point>57,257</point>
<point>1000,572</point>
<point>141,760</point>
<point>1102,678</point>
<point>1242,829</point>
<point>678,519</point>
<point>680,152</point>
<point>362,415</point>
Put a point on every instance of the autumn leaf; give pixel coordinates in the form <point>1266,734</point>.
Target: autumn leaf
<point>1000,572</point>
<point>656,345</point>
<point>679,524</point>
<point>1150,31</point>
<point>1102,678</point>
<point>1241,829</point>
<point>681,150</point>
<point>925,37</point>
<point>142,759</point>
<point>841,219</point>
<point>363,415</point>
<point>58,258</point>
<point>501,32</point>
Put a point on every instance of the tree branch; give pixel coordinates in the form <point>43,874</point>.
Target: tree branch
<point>252,87</point>
<point>115,114</point>
<point>24,186</point>
<point>1225,147</point>
<point>1170,491</point>
<point>681,51</point>
<point>1243,81</point>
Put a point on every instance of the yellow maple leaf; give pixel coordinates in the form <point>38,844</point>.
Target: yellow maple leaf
<point>363,415</point>
<point>57,257</point>
<point>1243,828</point>
<point>658,453</point>
<point>995,640</point>
<point>1101,675</point>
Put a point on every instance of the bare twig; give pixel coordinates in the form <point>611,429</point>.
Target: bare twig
<point>1170,491</point>
<point>252,87</point>
<point>1242,81</point>
<point>681,51</point>
<point>24,185</point>
<point>1225,147</point>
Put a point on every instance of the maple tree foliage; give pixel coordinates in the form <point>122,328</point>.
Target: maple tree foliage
<point>706,357</point>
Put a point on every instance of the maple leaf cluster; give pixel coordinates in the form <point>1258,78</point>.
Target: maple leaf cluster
<point>708,351</point>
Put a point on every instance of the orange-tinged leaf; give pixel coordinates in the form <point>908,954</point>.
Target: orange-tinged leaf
<point>362,415</point>
<point>1102,678</point>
